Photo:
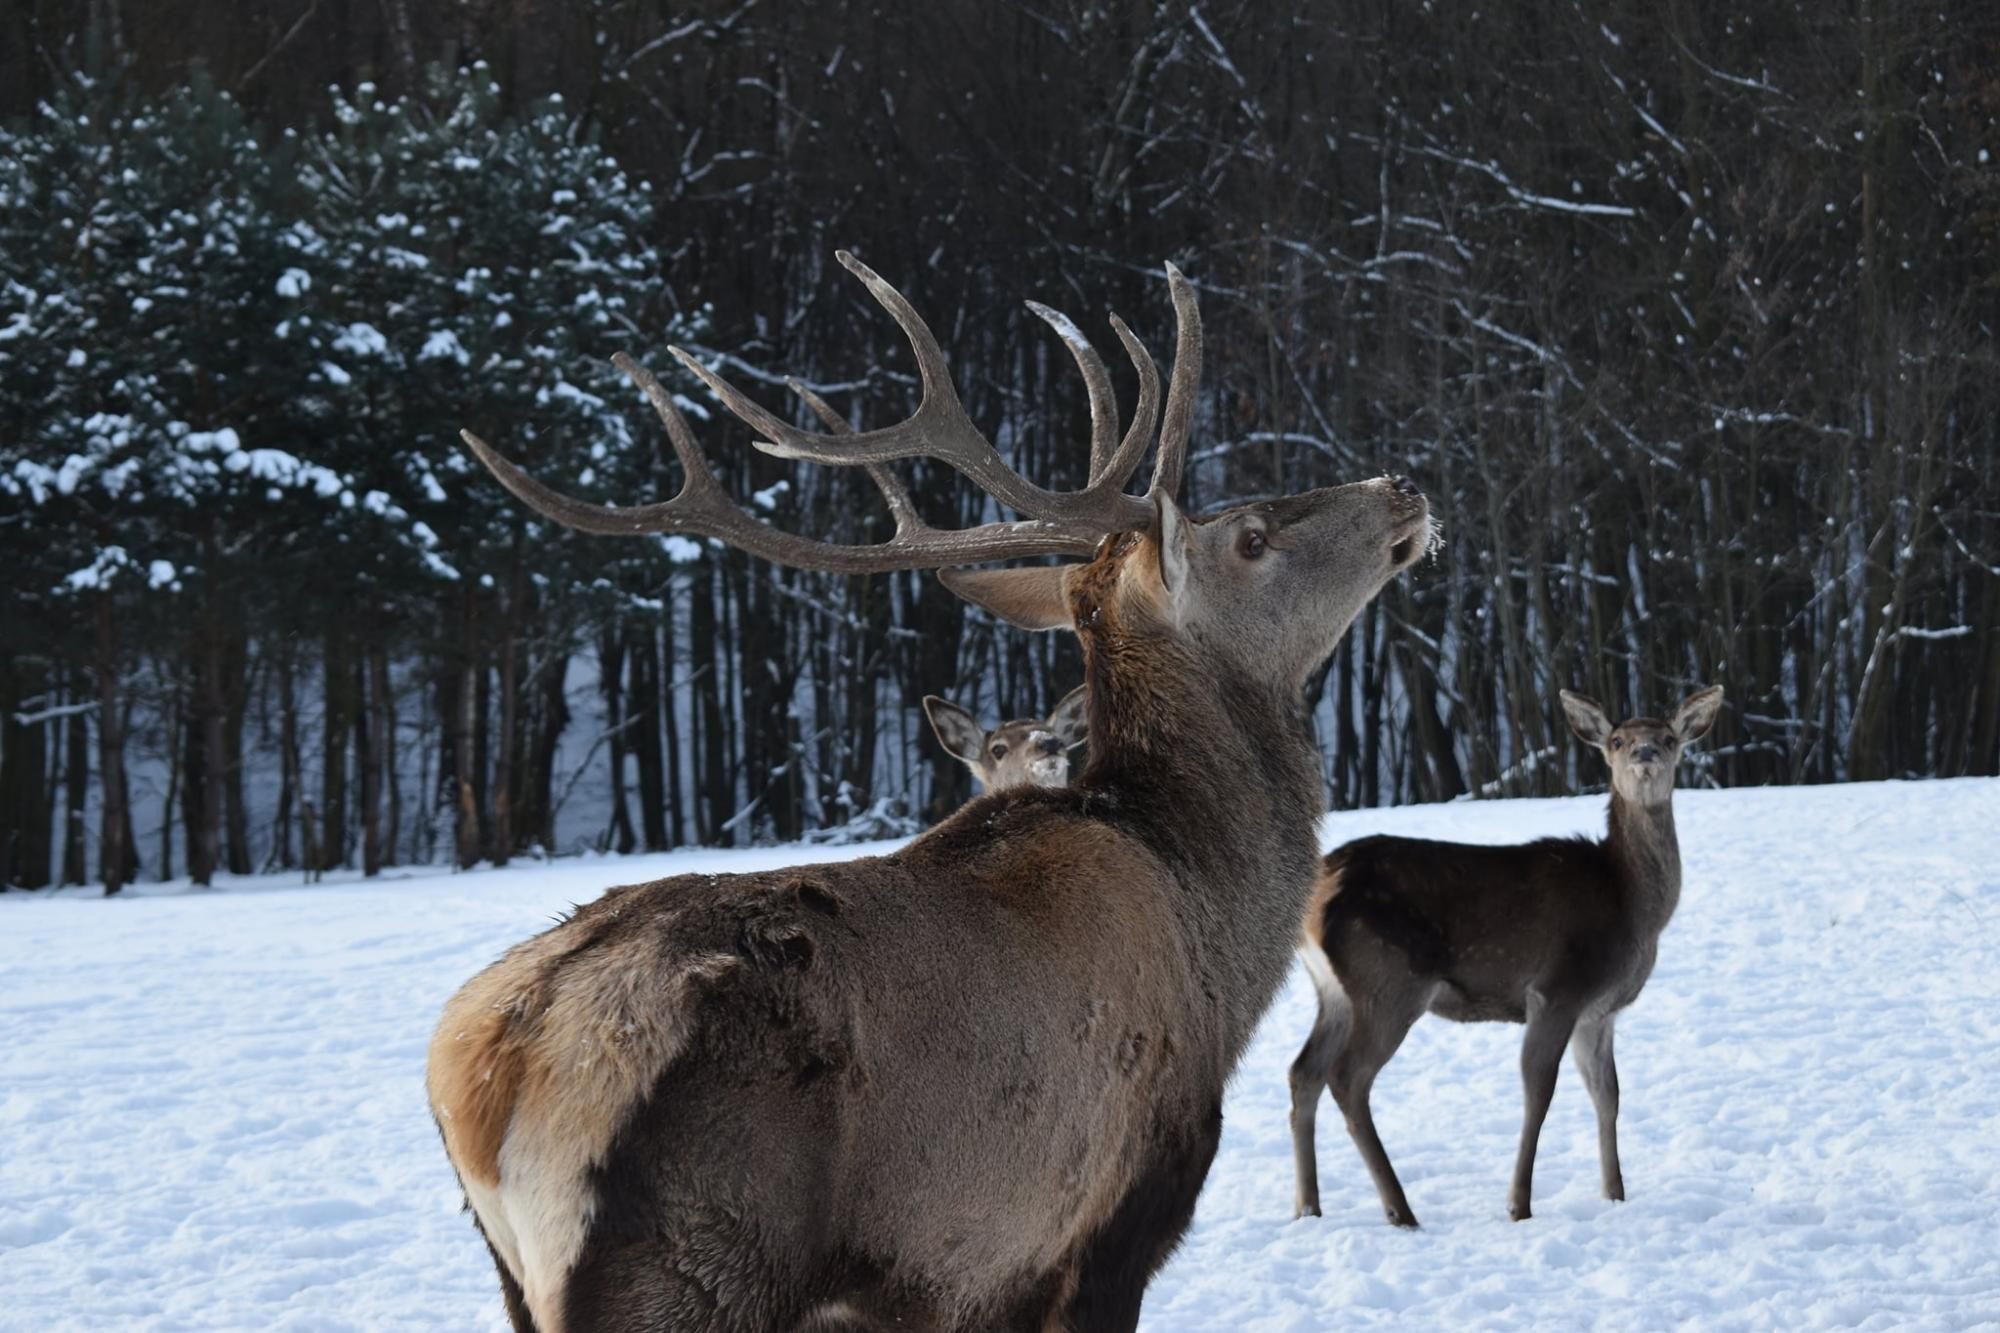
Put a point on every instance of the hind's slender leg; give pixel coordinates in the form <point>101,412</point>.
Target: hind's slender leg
<point>1309,1076</point>
<point>1549,1028</point>
<point>1591,1047</point>
<point>1378,1027</point>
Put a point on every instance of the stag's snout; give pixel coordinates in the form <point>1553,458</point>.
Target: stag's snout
<point>1411,532</point>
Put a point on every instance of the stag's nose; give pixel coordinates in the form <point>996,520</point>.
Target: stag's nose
<point>1048,744</point>
<point>1404,486</point>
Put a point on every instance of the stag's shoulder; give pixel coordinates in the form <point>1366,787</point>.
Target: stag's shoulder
<point>1036,844</point>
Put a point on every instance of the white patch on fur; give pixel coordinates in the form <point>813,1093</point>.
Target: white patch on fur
<point>1321,972</point>
<point>492,1213</point>
<point>615,1019</point>
<point>549,1207</point>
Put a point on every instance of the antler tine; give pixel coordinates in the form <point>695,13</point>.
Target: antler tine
<point>1145,416</point>
<point>1096,380</point>
<point>900,507</point>
<point>939,429</point>
<point>1182,387</point>
<point>704,509</point>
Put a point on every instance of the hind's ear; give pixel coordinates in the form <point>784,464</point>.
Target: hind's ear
<point>1070,719</point>
<point>1697,713</point>
<point>1586,719</point>
<point>957,730</point>
<point>1036,597</point>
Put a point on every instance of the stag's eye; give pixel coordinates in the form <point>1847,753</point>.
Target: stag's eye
<point>999,752</point>
<point>1252,544</point>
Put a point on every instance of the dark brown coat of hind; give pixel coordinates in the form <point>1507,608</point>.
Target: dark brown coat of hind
<point>1558,934</point>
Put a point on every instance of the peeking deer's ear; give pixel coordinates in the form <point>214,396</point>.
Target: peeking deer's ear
<point>1697,713</point>
<point>1033,598</point>
<point>1070,718</point>
<point>956,729</point>
<point>1586,719</point>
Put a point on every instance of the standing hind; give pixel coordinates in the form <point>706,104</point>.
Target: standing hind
<point>1558,934</point>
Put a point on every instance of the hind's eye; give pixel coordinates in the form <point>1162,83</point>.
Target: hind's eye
<point>1252,544</point>
<point>999,752</point>
<point>1617,742</point>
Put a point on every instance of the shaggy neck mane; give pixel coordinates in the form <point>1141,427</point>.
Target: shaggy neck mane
<point>1221,769</point>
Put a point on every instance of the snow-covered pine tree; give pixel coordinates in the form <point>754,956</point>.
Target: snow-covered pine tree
<point>462,268</point>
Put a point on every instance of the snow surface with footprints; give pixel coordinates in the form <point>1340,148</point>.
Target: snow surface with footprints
<point>212,1112</point>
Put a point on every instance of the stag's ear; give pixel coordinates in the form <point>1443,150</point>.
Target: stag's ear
<point>1033,598</point>
<point>1697,713</point>
<point>1586,719</point>
<point>956,728</point>
<point>1070,719</point>
<point>1170,534</point>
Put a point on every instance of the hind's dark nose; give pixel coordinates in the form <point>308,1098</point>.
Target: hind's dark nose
<point>1646,753</point>
<point>1404,485</point>
<point>1050,745</point>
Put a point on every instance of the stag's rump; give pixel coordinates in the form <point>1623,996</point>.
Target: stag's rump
<point>938,1064</point>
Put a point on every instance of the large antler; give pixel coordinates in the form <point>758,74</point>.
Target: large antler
<point>1054,522</point>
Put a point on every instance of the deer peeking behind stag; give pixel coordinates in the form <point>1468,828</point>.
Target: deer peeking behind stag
<point>1559,934</point>
<point>1024,752</point>
<point>977,1083</point>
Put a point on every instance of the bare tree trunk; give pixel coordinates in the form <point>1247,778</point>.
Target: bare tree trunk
<point>288,762</point>
<point>200,782</point>
<point>76,786</point>
<point>554,719</point>
<point>610,672</point>
<point>464,758</point>
<point>25,807</point>
<point>643,702</point>
<point>713,797</point>
<point>384,735</point>
<point>1983,744</point>
<point>236,704</point>
<point>337,683</point>
<point>368,752</point>
<point>176,758</point>
<point>114,852</point>
<point>670,709</point>
<point>503,763</point>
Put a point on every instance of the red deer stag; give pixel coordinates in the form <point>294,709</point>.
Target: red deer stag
<point>975,1084</point>
<point>1559,934</point>
<point>1025,752</point>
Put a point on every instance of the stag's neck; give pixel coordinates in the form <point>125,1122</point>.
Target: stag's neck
<point>1643,844</point>
<point>1220,778</point>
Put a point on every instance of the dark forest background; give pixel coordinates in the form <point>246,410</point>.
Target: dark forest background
<point>1682,313</point>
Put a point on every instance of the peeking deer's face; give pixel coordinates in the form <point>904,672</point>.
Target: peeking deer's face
<point>1027,752</point>
<point>1643,751</point>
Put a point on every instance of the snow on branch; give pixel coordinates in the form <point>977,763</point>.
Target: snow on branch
<point>55,714</point>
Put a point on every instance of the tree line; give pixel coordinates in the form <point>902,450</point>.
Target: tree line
<point>1681,316</point>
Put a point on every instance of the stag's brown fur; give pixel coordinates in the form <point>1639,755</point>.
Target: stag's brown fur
<point>973,1084</point>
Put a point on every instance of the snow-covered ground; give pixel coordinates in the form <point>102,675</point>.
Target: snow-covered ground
<point>211,1106</point>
